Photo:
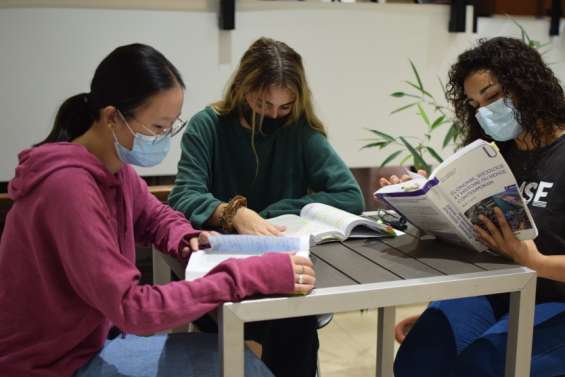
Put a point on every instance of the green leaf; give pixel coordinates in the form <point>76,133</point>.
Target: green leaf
<point>406,158</point>
<point>387,137</point>
<point>443,88</point>
<point>403,108</point>
<point>404,94</point>
<point>435,154</point>
<point>423,91</point>
<point>378,144</point>
<point>391,157</point>
<point>423,115</point>
<point>438,122</point>
<point>418,159</point>
<point>526,37</point>
<point>451,134</point>
<point>420,86</point>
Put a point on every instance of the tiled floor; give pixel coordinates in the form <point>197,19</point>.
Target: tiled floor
<point>348,342</point>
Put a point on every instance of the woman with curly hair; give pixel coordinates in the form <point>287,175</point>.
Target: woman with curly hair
<point>503,91</point>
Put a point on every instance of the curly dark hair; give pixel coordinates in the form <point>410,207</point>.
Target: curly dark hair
<point>536,93</point>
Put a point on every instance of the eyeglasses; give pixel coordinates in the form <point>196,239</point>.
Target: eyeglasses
<point>391,218</point>
<point>177,126</point>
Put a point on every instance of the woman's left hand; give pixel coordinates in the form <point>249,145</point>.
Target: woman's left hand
<point>195,242</point>
<point>502,240</point>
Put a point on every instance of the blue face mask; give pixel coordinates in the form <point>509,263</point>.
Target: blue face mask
<point>498,120</point>
<point>146,150</point>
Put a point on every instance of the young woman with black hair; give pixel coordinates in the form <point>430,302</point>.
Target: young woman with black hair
<point>503,91</point>
<point>67,254</point>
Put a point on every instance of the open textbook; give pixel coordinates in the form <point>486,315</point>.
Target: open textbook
<point>472,181</point>
<point>241,246</point>
<point>326,223</point>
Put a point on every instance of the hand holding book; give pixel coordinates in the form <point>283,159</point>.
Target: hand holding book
<point>195,243</point>
<point>393,179</point>
<point>502,239</point>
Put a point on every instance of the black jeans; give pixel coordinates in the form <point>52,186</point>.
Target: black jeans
<point>290,345</point>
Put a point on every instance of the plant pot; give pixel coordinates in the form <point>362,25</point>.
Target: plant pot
<point>403,327</point>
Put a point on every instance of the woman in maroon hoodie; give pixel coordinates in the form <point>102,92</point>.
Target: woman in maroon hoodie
<point>67,254</point>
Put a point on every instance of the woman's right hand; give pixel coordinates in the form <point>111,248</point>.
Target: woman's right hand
<point>304,274</point>
<point>247,221</point>
<point>403,178</point>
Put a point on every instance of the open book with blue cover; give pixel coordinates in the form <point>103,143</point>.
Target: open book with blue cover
<point>241,246</point>
<point>325,223</point>
<point>471,182</point>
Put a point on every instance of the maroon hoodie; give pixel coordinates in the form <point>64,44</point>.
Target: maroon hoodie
<point>67,263</point>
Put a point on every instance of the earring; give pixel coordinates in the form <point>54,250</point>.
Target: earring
<point>110,125</point>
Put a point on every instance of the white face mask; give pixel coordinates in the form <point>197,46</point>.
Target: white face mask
<point>498,120</point>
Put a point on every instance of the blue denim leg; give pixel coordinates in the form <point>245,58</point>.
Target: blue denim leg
<point>440,334</point>
<point>174,355</point>
<point>486,356</point>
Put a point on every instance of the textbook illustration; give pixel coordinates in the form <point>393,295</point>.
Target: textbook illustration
<point>471,182</point>
<point>325,223</point>
<point>241,246</point>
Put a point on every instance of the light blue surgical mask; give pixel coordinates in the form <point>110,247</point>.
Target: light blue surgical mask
<point>146,150</point>
<point>498,120</point>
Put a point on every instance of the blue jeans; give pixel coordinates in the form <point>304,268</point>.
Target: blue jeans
<point>174,355</point>
<point>467,337</point>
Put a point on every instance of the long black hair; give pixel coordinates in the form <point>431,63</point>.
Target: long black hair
<point>125,79</point>
<point>536,93</point>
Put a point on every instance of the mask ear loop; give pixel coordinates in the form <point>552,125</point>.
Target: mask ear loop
<point>111,127</point>
<point>116,141</point>
<point>126,122</point>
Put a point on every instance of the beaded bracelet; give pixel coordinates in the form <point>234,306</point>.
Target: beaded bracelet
<point>226,220</point>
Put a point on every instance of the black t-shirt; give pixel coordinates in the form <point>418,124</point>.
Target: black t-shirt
<point>541,178</point>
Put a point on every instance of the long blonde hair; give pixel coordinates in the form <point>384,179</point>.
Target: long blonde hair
<point>266,63</point>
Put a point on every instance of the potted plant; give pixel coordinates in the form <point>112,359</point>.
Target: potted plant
<point>432,113</point>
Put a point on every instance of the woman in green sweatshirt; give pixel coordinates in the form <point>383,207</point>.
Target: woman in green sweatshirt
<point>259,153</point>
<point>263,142</point>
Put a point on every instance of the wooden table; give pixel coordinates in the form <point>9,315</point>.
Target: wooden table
<point>380,274</point>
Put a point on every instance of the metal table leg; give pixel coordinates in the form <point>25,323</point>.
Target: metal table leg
<point>520,331</point>
<point>385,341</point>
<point>231,343</point>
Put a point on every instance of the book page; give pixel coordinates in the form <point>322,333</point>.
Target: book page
<point>330,216</point>
<point>480,180</point>
<point>326,223</point>
<point>255,245</point>
<point>298,226</point>
<point>241,246</point>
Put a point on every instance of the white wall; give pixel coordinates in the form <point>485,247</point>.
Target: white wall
<point>355,56</point>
